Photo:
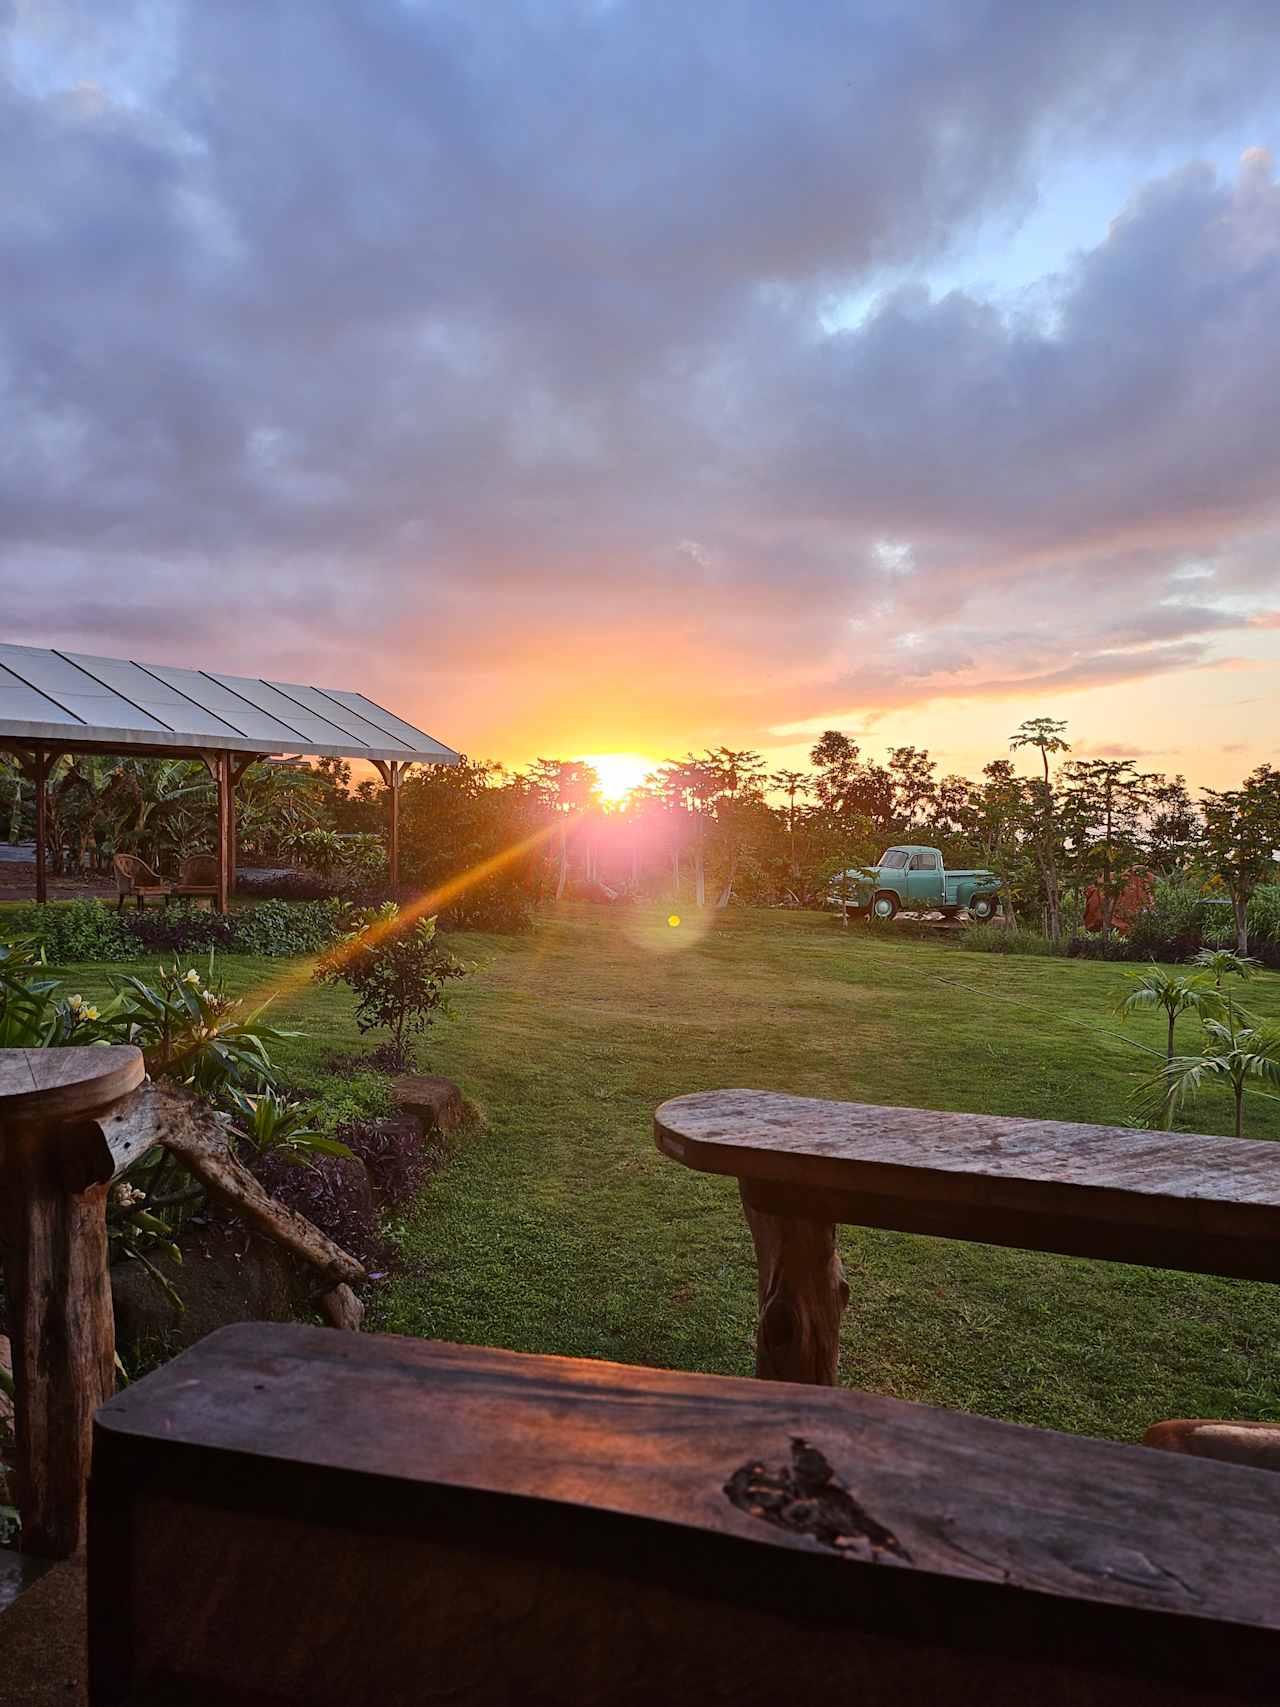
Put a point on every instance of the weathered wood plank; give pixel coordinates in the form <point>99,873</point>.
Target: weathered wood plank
<point>1209,1205</point>
<point>62,1332</point>
<point>59,1084</point>
<point>369,1513</point>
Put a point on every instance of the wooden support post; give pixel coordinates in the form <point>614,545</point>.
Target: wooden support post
<point>226,829</point>
<point>802,1294</point>
<point>393,849</point>
<point>40,776</point>
<point>236,769</point>
<point>392,773</point>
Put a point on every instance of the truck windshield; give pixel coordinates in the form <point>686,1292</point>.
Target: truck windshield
<point>894,860</point>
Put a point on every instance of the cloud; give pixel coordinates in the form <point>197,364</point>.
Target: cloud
<point>486,344</point>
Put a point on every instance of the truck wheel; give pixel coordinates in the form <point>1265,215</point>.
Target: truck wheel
<point>982,909</point>
<point>885,906</point>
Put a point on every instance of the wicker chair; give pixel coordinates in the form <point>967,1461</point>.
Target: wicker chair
<point>198,875</point>
<point>135,877</point>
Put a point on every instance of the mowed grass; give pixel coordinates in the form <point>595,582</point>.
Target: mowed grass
<point>558,1228</point>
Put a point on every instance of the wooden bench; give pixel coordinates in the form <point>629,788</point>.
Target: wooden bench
<point>288,1515</point>
<point>1168,1200</point>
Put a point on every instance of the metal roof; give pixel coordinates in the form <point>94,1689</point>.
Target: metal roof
<point>72,700</point>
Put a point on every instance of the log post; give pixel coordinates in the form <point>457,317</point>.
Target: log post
<point>62,1331</point>
<point>54,1177</point>
<point>802,1294</point>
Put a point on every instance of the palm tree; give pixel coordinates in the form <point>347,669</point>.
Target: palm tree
<point>1223,963</point>
<point>791,783</point>
<point>1175,995</point>
<point>1237,1051</point>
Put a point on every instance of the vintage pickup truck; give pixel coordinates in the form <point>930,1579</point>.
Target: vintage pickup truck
<point>914,879</point>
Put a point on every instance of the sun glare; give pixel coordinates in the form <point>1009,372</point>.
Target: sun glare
<point>619,773</point>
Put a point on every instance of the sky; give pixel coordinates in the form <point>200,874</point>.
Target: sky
<point>626,376</point>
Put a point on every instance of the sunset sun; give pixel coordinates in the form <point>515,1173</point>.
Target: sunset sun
<point>619,773</point>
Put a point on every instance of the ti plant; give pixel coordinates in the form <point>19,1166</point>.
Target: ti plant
<point>1238,1052</point>
<point>1174,994</point>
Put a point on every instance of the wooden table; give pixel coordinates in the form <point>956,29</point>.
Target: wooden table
<point>1169,1200</point>
<point>56,1165</point>
<point>285,1514</point>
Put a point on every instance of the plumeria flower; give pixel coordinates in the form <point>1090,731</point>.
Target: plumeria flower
<point>90,1013</point>
<point>126,1195</point>
<point>75,1003</point>
<point>192,977</point>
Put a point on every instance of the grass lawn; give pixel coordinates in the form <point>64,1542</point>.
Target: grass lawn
<point>558,1227</point>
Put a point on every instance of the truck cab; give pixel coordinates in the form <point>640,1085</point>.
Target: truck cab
<point>913,878</point>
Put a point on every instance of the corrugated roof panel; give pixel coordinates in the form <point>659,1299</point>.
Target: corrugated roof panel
<point>145,691</point>
<point>72,688</point>
<point>21,703</point>
<point>329,707</point>
<point>210,705</point>
<point>310,728</point>
<point>118,704</point>
<point>387,722</point>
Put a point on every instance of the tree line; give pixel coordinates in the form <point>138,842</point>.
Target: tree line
<point>705,829</point>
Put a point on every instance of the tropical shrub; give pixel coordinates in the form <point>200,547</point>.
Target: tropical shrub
<point>1264,914</point>
<point>273,1125</point>
<point>190,1030</point>
<point>399,973</point>
<point>1173,926</point>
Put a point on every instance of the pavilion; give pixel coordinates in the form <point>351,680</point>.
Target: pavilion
<point>57,703</point>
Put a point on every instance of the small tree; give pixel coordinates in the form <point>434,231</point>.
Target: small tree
<point>1105,799</point>
<point>1241,835</point>
<point>1172,993</point>
<point>399,973</point>
<point>1045,734</point>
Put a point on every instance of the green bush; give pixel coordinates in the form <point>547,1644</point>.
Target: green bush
<point>985,939</point>
<point>287,927</point>
<point>1264,913</point>
<point>340,1102</point>
<point>77,931</point>
<point>84,930</point>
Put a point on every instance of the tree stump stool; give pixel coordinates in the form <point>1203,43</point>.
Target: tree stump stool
<point>56,1168</point>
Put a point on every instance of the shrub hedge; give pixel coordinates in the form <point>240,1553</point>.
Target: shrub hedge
<point>93,931</point>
